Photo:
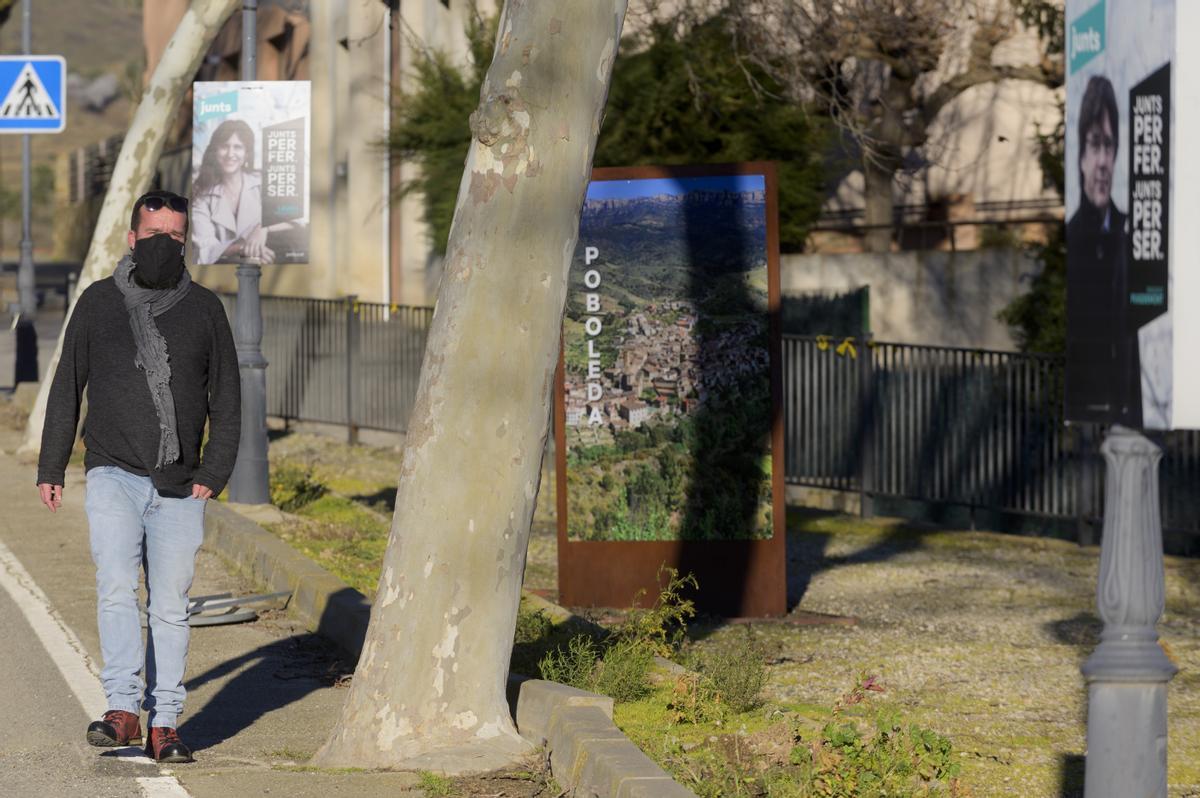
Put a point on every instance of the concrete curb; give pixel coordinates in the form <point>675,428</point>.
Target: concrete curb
<point>587,750</point>
<point>322,602</point>
<point>588,753</point>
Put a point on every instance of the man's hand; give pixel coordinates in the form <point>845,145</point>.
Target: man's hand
<point>52,495</point>
<point>201,492</point>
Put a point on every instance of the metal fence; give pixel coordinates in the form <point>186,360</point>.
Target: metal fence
<point>975,428</point>
<point>341,361</point>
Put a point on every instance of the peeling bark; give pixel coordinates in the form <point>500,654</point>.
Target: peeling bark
<point>429,689</point>
<point>135,166</point>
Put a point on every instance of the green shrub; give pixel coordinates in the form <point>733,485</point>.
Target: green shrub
<point>573,667</point>
<point>661,627</point>
<point>294,486</point>
<point>735,674</point>
<point>624,672</point>
<point>619,665</point>
<point>532,626</point>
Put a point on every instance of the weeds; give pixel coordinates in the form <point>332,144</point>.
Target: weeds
<point>573,667</point>
<point>876,754</point>
<point>293,486</point>
<point>662,626</point>
<point>532,626</point>
<point>623,673</point>
<point>619,665</point>
<point>435,785</point>
<point>734,674</point>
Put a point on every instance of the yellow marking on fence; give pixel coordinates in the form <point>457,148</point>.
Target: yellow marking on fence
<point>847,346</point>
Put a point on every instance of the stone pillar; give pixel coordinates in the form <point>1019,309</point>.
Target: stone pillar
<point>1127,674</point>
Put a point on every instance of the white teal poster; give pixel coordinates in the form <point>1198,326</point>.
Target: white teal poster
<point>1133,281</point>
<point>250,172</point>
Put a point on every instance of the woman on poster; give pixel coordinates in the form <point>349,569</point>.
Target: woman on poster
<point>227,200</point>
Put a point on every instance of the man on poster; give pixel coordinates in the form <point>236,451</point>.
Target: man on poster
<point>1097,239</point>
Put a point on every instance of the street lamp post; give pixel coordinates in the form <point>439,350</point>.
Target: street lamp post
<point>1127,674</point>
<point>26,344</point>
<point>249,482</point>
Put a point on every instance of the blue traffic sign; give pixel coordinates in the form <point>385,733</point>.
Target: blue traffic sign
<point>33,95</point>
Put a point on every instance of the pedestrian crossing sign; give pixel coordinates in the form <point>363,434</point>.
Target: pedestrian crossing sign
<point>33,94</point>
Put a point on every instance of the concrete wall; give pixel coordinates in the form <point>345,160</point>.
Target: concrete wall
<point>933,298</point>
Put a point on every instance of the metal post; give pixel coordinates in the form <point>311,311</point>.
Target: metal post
<point>26,344</point>
<point>351,310</point>
<point>250,482</point>
<point>1127,675</point>
<point>866,424</point>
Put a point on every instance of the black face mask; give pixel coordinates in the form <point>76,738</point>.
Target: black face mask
<point>157,261</point>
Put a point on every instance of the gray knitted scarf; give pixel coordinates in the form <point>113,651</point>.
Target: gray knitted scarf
<point>143,304</point>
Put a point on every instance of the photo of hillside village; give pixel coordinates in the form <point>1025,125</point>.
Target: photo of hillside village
<point>667,384</point>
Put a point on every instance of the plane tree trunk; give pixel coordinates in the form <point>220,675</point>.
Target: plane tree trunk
<point>429,688</point>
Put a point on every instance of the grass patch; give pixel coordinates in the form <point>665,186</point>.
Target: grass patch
<point>342,536</point>
<point>435,785</point>
<point>862,745</point>
<point>290,753</point>
<point>314,769</point>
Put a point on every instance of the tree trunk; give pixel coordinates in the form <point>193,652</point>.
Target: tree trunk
<point>135,166</point>
<point>429,689</point>
<point>877,206</point>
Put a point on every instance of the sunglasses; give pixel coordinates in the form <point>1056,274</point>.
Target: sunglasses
<point>177,204</point>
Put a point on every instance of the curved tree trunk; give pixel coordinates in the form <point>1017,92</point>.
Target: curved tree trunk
<point>135,166</point>
<point>429,689</point>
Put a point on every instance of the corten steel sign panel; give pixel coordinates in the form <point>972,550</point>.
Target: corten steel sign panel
<point>1132,283</point>
<point>250,171</point>
<point>667,419</point>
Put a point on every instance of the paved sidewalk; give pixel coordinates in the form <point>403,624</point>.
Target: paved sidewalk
<point>260,695</point>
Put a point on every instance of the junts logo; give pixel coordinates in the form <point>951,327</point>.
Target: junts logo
<point>1085,37</point>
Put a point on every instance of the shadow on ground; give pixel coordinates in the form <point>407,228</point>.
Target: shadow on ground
<point>380,499</point>
<point>1070,775</point>
<point>1081,629</point>
<point>808,541</point>
<point>266,679</point>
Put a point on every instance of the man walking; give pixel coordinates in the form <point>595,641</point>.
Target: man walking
<point>157,357</point>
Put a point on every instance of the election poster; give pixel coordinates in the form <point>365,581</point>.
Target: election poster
<point>1130,81</point>
<point>668,396</point>
<point>250,172</point>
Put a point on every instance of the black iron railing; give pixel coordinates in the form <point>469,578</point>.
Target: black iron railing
<point>341,361</point>
<point>977,428</point>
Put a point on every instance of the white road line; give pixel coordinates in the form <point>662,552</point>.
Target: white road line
<point>162,787</point>
<point>57,638</point>
<point>72,660</point>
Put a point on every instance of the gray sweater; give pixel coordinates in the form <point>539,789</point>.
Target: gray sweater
<point>121,428</point>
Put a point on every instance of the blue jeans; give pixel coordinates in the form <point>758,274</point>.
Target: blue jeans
<point>131,526</point>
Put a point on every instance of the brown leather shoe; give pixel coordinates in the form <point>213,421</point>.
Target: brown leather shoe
<point>164,745</point>
<point>117,727</point>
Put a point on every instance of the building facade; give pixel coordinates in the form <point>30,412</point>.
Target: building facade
<point>357,55</point>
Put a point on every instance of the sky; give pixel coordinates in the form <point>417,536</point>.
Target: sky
<point>650,187</point>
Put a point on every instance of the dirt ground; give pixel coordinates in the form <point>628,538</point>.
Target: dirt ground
<point>978,635</point>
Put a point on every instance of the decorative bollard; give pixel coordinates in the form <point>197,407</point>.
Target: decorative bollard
<point>1127,674</point>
